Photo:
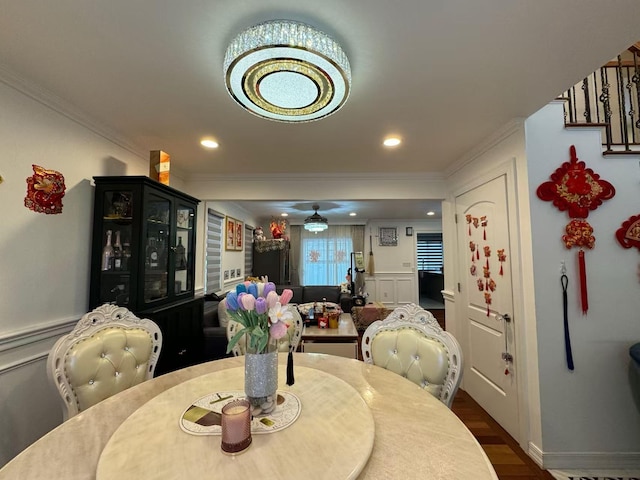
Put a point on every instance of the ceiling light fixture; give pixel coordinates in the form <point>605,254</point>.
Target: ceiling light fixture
<point>287,71</point>
<point>209,143</point>
<point>316,222</point>
<point>392,142</point>
<point>431,213</point>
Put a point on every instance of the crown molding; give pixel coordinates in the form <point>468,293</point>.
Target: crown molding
<point>315,177</point>
<point>61,106</point>
<point>500,135</point>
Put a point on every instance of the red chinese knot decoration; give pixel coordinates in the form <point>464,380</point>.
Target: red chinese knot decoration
<point>628,235</point>
<point>577,190</point>
<point>45,189</point>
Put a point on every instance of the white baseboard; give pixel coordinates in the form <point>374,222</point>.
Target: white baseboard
<point>536,454</point>
<point>590,460</point>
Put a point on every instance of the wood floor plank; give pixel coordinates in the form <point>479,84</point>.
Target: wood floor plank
<point>508,459</point>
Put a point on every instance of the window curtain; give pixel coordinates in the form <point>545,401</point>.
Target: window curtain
<point>294,253</point>
<point>323,258</point>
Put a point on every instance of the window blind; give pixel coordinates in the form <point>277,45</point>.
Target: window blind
<point>248,251</point>
<point>213,257</point>
<point>430,254</point>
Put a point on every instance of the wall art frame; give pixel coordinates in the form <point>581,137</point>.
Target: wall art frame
<point>230,233</point>
<point>238,243</point>
<point>388,236</point>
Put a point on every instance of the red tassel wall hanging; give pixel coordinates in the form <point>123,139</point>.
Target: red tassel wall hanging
<point>577,190</point>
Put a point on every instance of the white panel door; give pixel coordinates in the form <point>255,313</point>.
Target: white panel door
<point>486,292</point>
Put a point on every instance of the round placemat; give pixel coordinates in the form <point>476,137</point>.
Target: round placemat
<point>203,416</point>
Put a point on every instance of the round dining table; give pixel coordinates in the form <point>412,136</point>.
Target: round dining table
<point>355,420</point>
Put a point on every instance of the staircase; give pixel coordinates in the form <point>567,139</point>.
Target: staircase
<point>610,98</point>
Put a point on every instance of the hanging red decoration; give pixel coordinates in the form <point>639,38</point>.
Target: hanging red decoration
<point>577,190</point>
<point>580,234</point>
<point>45,189</point>
<point>501,258</point>
<point>628,235</point>
<point>483,223</point>
<point>469,223</point>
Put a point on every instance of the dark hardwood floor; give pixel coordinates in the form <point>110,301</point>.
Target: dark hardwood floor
<point>506,456</point>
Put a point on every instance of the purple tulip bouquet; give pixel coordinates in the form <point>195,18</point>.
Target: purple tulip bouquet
<point>261,312</point>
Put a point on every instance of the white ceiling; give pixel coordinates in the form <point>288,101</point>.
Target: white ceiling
<point>442,74</point>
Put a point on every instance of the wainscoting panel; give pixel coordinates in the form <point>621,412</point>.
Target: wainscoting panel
<point>30,405</point>
<point>392,289</point>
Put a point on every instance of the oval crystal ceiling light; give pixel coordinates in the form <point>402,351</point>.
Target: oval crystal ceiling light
<point>208,143</point>
<point>353,214</point>
<point>391,142</point>
<point>287,71</point>
<point>431,214</point>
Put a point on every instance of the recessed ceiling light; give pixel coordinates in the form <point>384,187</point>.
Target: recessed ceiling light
<point>431,213</point>
<point>391,142</point>
<point>352,214</point>
<point>284,214</point>
<point>209,143</point>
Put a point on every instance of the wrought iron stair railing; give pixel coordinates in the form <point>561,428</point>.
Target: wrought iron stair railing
<point>610,98</point>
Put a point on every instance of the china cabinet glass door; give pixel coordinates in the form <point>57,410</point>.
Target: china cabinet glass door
<point>115,265</point>
<point>183,254</point>
<point>156,248</point>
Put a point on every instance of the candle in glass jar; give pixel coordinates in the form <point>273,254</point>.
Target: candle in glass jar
<point>236,426</point>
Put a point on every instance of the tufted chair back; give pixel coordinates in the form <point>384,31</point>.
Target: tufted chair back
<point>108,351</point>
<point>410,343</point>
<point>289,341</point>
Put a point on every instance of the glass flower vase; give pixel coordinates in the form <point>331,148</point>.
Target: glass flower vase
<point>261,378</point>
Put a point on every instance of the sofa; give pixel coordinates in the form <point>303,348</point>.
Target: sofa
<point>214,322</point>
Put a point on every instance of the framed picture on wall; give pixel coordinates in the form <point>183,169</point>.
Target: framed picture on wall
<point>239,232</point>
<point>230,234</point>
<point>388,237</point>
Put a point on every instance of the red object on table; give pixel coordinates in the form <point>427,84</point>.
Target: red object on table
<point>323,322</point>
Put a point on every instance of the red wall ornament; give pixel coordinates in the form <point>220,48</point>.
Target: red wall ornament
<point>629,233</point>
<point>577,190</point>
<point>45,189</point>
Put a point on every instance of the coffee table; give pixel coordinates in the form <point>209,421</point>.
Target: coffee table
<point>341,341</point>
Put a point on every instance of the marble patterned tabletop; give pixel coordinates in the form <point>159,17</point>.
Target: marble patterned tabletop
<point>333,415</point>
<point>416,436</point>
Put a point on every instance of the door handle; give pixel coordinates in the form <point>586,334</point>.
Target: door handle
<point>503,317</point>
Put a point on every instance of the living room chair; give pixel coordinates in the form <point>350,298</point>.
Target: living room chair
<point>287,343</point>
<point>108,351</point>
<point>410,343</point>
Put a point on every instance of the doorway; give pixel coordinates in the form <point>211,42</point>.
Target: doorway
<point>429,264</point>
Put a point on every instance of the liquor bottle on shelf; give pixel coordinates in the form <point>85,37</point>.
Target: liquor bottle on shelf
<point>126,255</point>
<point>181,259</point>
<point>117,252</point>
<point>162,254</point>
<point>152,254</point>
<point>107,254</point>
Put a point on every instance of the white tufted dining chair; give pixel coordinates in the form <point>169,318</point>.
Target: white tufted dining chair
<point>108,351</point>
<point>289,342</point>
<point>410,343</point>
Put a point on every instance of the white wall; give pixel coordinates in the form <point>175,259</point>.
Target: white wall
<point>589,417</point>
<point>44,274</point>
